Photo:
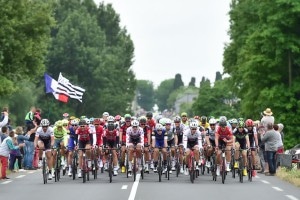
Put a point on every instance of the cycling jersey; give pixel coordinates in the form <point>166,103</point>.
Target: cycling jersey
<point>178,130</point>
<point>224,133</point>
<point>84,134</point>
<point>146,130</point>
<point>99,133</point>
<point>151,123</point>
<point>134,136</point>
<point>123,129</point>
<point>251,133</point>
<point>159,138</point>
<point>240,137</point>
<point>191,139</point>
<point>45,137</point>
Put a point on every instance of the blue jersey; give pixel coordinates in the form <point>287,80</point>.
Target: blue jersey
<point>159,138</point>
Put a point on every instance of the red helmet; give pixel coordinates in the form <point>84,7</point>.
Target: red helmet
<point>118,117</point>
<point>249,122</point>
<point>102,121</point>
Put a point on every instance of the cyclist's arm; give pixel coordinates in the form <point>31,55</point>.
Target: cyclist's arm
<point>165,140</point>
<point>153,140</point>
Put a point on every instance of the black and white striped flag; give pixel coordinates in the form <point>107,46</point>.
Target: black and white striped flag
<point>67,88</point>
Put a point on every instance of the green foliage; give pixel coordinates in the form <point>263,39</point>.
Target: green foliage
<point>177,82</point>
<point>263,60</point>
<point>145,97</point>
<point>192,82</point>
<point>24,38</point>
<point>162,93</point>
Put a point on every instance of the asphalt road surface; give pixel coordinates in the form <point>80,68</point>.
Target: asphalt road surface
<point>29,185</point>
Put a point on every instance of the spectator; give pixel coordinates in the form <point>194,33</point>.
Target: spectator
<point>4,118</point>
<point>29,149</point>
<point>271,138</point>
<point>280,130</point>
<point>267,118</point>
<point>261,145</point>
<point>5,148</point>
<point>3,133</point>
<point>37,116</point>
<point>29,118</point>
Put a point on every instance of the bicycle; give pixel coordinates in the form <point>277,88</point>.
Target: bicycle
<point>57,164</point>
<point>241,166</point>
<point>109,160</point>
<point>249,165</point>
<point>160,164</point>
<point>74,163</point>
<point>213,167</point>
<point>45,169</point>
<point>192,166</point>
<point>169,163</point>
<point>223,165</point>
<point>84,168</point>
<point>94,163</point>
<point>232,162</point>
<point>177,161</point>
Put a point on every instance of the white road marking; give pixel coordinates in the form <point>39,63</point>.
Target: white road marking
<point>266,182</point>
<point>5,182</point>
<point>124,187</point>
<point>21,176</point>
<point>134,187</point>
<point>31,172</point>
<point>291,197</point>
<point>277,188</point>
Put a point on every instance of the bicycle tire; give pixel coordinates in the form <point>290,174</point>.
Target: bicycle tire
<point>168,168</point>
<point>249,168</point>
<point>159,168</point>
<point>241,170</point>
<point>110,168</point>
<point>87,171</point>
<point>223,170</point>
<point>95,168</point>
<point>134,167</point>
<point>127,164</point>
<point>74,166</point>
<point>83,170</point>
<point>44,171</point>
<point>142,166</point>
<point>192,169</point>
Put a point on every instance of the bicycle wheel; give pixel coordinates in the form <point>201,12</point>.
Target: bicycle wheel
<point>87,170</point>
<point>223,170</point>
<point>74,166</point>
<point>134,166</point>
<point>95,168</point>
<point>168,167</point>
<point>241,169</point>
<point>177,166</point>
<point>142,166</point>
<point>159,168</point>
<point>192,169</point>
<point>83,170</point>
<point>110,168</point>
<point>249,168</point>
<point>127,164</point>
<point>57,166</point>
<point>44,171</point>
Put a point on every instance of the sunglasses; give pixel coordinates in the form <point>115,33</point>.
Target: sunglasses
<point>194,129</point>
<point>134,127</point>
<point>212,125</point>
<point>168,124</point>
<point>96,124</point>
<point>149,118</point>
<point>74,125</point>
<point>143,124</point>
<point>45,126</point>
<point>159,130</point>
<point>65,125</point>
<point>82,126</point>
<point>183,116</point>
<point>128,121</point>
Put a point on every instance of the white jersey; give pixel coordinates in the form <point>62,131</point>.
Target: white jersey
<point>190,140</point>
<point>44,135</point>
<point>134,136</point>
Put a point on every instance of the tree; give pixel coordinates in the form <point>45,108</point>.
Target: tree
<point>145,91</point>
<point>177,82</point>
<point>162,93</point>
<point>192,82</point>
<point>24,39</point>
<point>218,76</point>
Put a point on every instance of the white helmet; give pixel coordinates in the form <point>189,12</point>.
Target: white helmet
<point>87,120</point>
<point>212,121</point>
<point>168,121</point>
<point>110,119</point>
<point>194,124</point>
<point>74,122</point>
<point>135,123</point>
<point>45,122</point>
<point>106,114</point>
<point>159,127</point>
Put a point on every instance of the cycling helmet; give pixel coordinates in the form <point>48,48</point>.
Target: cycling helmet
<point>127,117</point>
<point>194,124</point>
<point>82,117</point>
<point>110,126</point>
<point>223,118</point>
<point>135,123</point>
<point>143,119</point>
<point>74,122</point>
<point>110,119</point>
<point>65,122</point>
<point>203,119</point>
<point>118,117</point>
<point>159,127</point>
<point>168,121</point>
<point>133,118</point>
<point>105,114</point>
<point>92,119</point>
<point>241,124</point>
<point>183,114</point>
<point>177,119</point>
<point>196,117</point>
<point>234,121</point>
<point>82,122</point>
<point>162,121</point>
<point>72,117</point>
<point>249,122</point>
<point>223,122</point>
<point>59,123</point>
<point>87,121</point>
<point>45,122</point>
<point>149,115</point>
<point>212,121</point>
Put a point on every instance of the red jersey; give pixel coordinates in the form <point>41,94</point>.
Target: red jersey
<point>111,135</point>
<point>147,131</point>
<point>123,130</point>
<point>84,135</point>
<point>99,133</point>
<point>151,123</point>
<point>226,133</point>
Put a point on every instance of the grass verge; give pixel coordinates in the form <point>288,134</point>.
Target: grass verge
<point>290,175</point>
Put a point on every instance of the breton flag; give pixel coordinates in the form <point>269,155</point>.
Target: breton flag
<point>67,88</point>
<point>51,87</point>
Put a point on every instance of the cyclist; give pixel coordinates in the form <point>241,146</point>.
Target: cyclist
<point>210,140</point>
<point>184,120</point>
<point>134,137</point>
<point>123,129</point>
<point>204,122</point>
<point>159,140</point>
<point>147,137</point>
<point>150,121</point>
<point>99,132</point>
<point>241,140</point>
<point>171,141</point>
<point>253,139</point>
<point>44,139</point>
<point>223,137</point>
<point>72,142</point>
<point>84,142</point>
<point>111,140</point>
<point>60,136</point>
<point>192,141</point>
<point>233,123</point>
<point>178,129</point>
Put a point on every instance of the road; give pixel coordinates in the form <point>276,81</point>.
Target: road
<point>29,185</point>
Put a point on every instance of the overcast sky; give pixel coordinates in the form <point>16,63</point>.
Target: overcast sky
<point>175,36</point>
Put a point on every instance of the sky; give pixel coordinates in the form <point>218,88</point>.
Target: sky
<point>175,36</point>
